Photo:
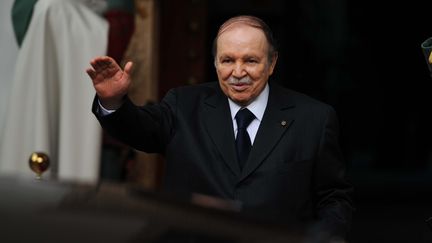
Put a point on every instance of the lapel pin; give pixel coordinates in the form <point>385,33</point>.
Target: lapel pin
<point>283,123</point>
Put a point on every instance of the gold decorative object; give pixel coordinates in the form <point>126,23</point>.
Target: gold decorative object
<point>39,162</point>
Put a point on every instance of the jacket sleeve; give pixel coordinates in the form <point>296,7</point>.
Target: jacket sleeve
<point>147,128</point>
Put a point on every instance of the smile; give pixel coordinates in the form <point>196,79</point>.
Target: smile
<point>240,87</point>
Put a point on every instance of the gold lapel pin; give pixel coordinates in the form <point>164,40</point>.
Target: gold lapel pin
<point>283,123</point>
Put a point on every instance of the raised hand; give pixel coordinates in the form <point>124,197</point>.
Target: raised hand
<point>109,80</point>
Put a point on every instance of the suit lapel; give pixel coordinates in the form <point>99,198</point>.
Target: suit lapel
<point>275,123</point>
<point>218,123</point>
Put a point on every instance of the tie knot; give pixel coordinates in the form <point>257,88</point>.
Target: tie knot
<point>243,118</point>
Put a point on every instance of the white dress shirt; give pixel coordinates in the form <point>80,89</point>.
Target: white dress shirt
<point>257,107</point>
<point>104,111</point>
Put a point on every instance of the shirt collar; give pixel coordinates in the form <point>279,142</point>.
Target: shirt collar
<point>257,107</point>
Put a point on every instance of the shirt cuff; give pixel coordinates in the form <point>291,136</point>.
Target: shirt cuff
<point>103,111</point>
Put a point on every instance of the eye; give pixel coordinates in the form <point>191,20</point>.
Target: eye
<point>252,61</point>
<point>226,60</point>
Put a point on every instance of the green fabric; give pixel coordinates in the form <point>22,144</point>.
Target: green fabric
<point>22,11</point>
<point>128,5</point>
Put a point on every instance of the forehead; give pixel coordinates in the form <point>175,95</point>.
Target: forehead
<point>241,37</point>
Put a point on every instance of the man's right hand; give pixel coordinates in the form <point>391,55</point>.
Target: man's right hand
<point>110,81</point>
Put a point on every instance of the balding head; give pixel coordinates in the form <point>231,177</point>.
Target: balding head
<point>251,21</point>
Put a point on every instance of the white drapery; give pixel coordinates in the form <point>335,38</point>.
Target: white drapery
<point>51,95</point>
<point>9,53</point>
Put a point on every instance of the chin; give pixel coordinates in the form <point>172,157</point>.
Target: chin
<point>241,101</point>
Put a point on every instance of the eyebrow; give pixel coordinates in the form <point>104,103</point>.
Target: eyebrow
<point>251,56</point>
<point>247,56</point>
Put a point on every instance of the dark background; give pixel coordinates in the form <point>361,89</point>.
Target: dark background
<point>363,58</point>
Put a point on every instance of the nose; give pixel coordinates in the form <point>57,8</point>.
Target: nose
<point>239,70</point>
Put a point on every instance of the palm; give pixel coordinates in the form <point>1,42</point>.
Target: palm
<point>109,80</point>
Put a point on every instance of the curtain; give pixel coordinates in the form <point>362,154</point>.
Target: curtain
<point>51,95</point>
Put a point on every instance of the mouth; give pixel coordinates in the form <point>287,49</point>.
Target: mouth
<point>240,87</point>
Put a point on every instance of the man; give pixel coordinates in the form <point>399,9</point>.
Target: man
<point>293,169</point>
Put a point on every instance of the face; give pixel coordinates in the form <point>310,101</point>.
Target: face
<point>242,63</point>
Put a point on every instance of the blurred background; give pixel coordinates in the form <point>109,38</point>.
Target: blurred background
<point>361,57</point>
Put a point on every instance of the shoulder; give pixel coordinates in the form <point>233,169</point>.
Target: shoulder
<point>192,95</point>
<point>308,112</point>
<point>296,99</point>
<point>306,109</point>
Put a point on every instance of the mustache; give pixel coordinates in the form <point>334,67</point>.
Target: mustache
<point>234,81</point>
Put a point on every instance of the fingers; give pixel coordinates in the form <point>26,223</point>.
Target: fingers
<point>101,63</point>
<point>128,68</point>
<point>104,67</point>
<point>91,73</point>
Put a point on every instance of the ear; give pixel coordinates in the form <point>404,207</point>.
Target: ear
<point>273,63</point>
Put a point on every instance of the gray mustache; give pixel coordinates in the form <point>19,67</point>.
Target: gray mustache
<point>244,80</point>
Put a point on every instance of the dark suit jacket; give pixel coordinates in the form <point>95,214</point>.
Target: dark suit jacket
<point>295,169</point>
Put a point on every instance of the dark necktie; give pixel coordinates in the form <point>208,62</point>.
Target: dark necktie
<point>243,143</point>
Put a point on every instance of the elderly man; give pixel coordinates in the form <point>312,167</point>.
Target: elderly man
<point>246,139</point>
